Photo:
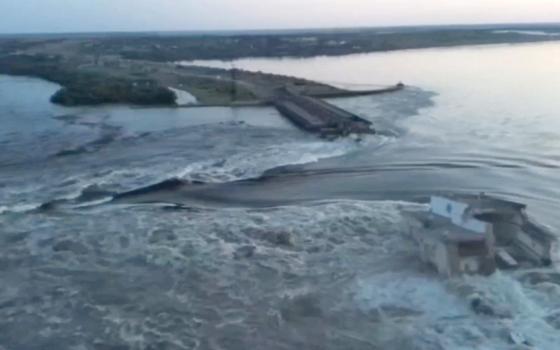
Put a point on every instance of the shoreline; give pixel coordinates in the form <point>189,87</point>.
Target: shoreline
<point>199,62</point>
<point>151,71</point>
<point>162,84</point>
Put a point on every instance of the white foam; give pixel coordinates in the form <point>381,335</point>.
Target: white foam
<point>526,308</point>
<point>118,179</point>
<point>253,163</point>
<point>423,294</point>
<point>18,208</point>
<point>183,97</point>
<point>94,202</point>
<point>440,311</point>
<point>527,32</point>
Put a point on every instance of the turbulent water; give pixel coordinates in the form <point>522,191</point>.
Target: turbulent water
<point>124,228</point>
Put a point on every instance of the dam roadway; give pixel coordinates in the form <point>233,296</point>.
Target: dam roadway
<point>322,118</point>
<point>303,106</point>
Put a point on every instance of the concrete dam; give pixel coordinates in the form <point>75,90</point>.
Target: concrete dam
<point>322,118</point>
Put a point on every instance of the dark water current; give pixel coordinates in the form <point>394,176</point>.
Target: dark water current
<point>124,228</point>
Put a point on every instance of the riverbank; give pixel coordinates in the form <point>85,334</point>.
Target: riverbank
<point>136,68</point>
<point>103,79</point>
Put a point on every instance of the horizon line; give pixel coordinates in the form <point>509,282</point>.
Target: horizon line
<point>274,30</point>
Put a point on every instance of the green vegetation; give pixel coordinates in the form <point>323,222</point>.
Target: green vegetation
<point>95,91</point>
<point>137,69</point>
<point>83,87</point>
<point>214,91</point>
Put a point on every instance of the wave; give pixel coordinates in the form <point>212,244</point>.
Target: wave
<point>243,166</point>
<point>93,193</point>
<point>166,185</point>
<point>90,195</point>
<point>19,208</point>
<point>89,147</point>
<point>98,143</point>
<point>249,164</point>
<point>106,133</point>
<point>257,165</point>
<point>254,164</point>
<point>515,312</point>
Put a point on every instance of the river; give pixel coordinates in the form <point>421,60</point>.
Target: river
<point>274,238</point>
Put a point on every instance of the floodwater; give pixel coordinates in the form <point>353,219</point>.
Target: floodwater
<point>273,238</point>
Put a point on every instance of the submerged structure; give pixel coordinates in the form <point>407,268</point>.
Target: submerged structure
<point>477,234</point>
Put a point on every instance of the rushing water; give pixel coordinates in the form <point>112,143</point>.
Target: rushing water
<point>273,238</point>
<point>494,125</point>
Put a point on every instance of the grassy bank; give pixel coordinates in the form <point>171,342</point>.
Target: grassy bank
<point>86,88</point>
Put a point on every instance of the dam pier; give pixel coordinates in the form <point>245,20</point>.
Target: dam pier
<point>305,108</point>
<point>314,115</point>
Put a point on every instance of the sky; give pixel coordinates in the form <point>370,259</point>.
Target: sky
<point>38,16</point>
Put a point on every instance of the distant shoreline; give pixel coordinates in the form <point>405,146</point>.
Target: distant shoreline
<point>138,69</point>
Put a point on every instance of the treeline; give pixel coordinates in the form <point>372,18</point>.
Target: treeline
<point>176,48</point>
<point>85,88</point>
